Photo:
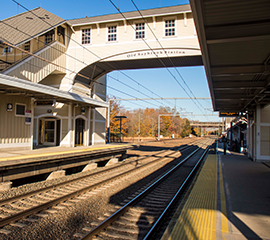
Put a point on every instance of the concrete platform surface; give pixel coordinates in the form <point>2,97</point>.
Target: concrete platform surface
<point>6,155</point>
<point>229,200</point>
<point>248,195</point>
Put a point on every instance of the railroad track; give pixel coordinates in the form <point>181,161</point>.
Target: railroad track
<point>140,217</point>
<point>40,202</point>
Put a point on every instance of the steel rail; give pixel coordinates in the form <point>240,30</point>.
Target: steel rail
<point>51,203</point>
<point>163,214</point>
<point>127,206</point>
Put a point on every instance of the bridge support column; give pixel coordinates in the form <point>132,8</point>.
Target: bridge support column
<point>56,174</point>
<point>70,125</point>
<point>5,186</point>
<point>93,125</point>
<point>89,167</point>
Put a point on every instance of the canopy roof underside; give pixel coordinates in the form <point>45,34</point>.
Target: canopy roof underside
<point>235,42</point>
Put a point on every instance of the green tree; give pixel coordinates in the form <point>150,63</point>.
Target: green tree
<point>186,129</point>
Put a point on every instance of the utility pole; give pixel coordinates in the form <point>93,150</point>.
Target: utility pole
<point>139,131</point>
<point>158,127</point>
<point>108,122</point>
<point>152,127</point>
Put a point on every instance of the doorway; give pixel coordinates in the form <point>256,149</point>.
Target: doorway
<point>79,131</point>
<point>49,132</point>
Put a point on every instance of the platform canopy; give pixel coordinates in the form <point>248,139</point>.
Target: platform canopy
<point>14,86</point>
<point>235,42</point>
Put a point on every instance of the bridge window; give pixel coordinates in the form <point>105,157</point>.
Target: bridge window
<point>170,27</point>
<point>112,33</point>
<point>86,36</point>
<point>140,30</point>
<point>27,46</point>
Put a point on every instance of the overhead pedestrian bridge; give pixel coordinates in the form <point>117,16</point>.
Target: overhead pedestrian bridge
<point>164,37</point>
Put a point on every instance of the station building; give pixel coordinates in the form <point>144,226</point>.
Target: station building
<point>37,107</point>
<point>53,71</point>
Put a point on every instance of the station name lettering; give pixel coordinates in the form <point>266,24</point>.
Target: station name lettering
<point>139,54</point>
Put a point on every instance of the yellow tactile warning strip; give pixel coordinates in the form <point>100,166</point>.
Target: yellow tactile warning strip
<point>223,209</point>
<point>200,216</point>
<point>21,157</point>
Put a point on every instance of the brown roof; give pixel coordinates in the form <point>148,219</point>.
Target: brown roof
<point>130,15</point>
<point>21,27</point>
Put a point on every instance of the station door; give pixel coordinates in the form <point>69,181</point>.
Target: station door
<point>79,132</point>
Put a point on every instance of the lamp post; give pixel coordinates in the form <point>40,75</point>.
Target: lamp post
<point>120,117</point>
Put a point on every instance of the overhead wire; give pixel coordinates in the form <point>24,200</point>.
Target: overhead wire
<point>130,102</point>
<point>70,79</point>
<point>125,93</point>
<point>11,45</point>
<point>154,52</point>
<point>146,88</point>
<point>83,63</point>
<point>167,54</point>
<point>131,88</point>
<point>79,45</point>
<point>15,28</point>
<point>179,74</point>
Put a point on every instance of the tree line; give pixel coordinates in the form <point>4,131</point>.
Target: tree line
<point>144,122</point>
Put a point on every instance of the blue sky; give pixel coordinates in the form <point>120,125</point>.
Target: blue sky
<point>158,81</point>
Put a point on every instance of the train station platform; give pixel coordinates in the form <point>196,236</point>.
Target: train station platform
<point>230,199</point>
<point>55,161</point>
<point>9,155</point>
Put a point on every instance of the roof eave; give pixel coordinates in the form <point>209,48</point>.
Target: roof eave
<point>47,90</point>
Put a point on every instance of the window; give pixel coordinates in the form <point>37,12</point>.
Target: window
<point>61,34</point>
<point>112,33</point>
<point>140,30</point>
<point>49,36</point>
<point>170,27</point>
<point>20,110</point>
<point>86,36</point>
<point>7,50</point>
<point>27,46</point>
